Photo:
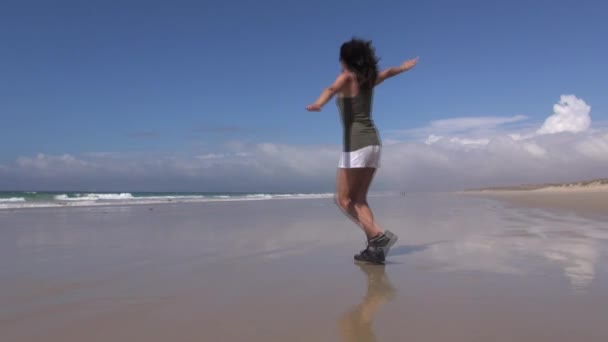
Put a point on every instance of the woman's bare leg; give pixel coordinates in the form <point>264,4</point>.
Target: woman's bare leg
<point>352,185</point>
<point>344,195</point>
<point>364,212</point>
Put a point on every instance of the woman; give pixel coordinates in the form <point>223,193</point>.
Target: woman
<point>361,142</point>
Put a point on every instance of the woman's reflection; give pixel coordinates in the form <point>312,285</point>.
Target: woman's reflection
<point>356,324</point>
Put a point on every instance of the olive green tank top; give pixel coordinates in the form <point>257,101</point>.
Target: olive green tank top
<point>359,129</point>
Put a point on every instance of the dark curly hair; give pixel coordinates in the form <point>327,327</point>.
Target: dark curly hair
<point>360,57</point>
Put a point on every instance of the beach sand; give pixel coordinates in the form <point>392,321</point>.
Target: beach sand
<point>588,200</point>
<point>466,268</point>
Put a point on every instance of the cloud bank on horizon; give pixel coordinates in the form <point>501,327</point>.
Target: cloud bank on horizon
<point>449,154</point>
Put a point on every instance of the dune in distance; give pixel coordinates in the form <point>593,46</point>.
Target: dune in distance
<point>586,185</point>
<point>586,198</point>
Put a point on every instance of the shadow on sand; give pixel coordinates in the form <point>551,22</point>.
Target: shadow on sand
<point>411,249</point>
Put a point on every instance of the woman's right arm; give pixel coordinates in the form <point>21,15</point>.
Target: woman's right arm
<point>329,92</point>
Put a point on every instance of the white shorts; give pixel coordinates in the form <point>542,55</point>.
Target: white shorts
<point>368,156</point>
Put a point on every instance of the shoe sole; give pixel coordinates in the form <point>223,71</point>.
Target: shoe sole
<point>370,262</point>
<point>361,262</point>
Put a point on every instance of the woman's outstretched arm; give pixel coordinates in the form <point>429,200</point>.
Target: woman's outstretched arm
<point>394,71</point>
<point>329,92</point>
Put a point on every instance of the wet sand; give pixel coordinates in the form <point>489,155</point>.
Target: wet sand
<point>465,269</point>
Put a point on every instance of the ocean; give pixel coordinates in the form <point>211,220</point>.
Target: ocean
<point>47,199</point>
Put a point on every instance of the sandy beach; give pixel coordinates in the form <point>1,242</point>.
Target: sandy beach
<point>584,198</point>
<point>466,268</point>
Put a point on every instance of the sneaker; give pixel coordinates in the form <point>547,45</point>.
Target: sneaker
<point>370,255</point>
<point>384,242</point>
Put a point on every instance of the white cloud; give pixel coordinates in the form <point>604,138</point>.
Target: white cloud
<point>464,125</point>
<point>441,162</point>
<point>594,146</point>
<point>432,139</point>
<point>211,156</point>
<point>446,164</point>
<point>54,164</point>
<point>468,123</point>
<point>534,149</point>
<point>389,141</point>
<point>571,114</point>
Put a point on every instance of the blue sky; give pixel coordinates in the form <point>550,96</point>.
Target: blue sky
<point>187,79</point>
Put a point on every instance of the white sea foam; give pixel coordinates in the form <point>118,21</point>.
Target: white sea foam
<point>168,198</point>
<point>121,196</point>
<point>12,200</point>
<point>96,199</point>
<point>258,196</point>
<point>22,205</point>
<point>321,195</point>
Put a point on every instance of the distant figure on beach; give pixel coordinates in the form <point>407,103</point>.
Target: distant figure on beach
<point>361,142</point>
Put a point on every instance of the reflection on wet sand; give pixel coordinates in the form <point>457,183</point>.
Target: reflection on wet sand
<point>356,323</point>
<point>574,244</point>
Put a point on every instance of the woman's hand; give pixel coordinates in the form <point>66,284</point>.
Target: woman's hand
<point>407,65</point>
<point>313,108</point>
